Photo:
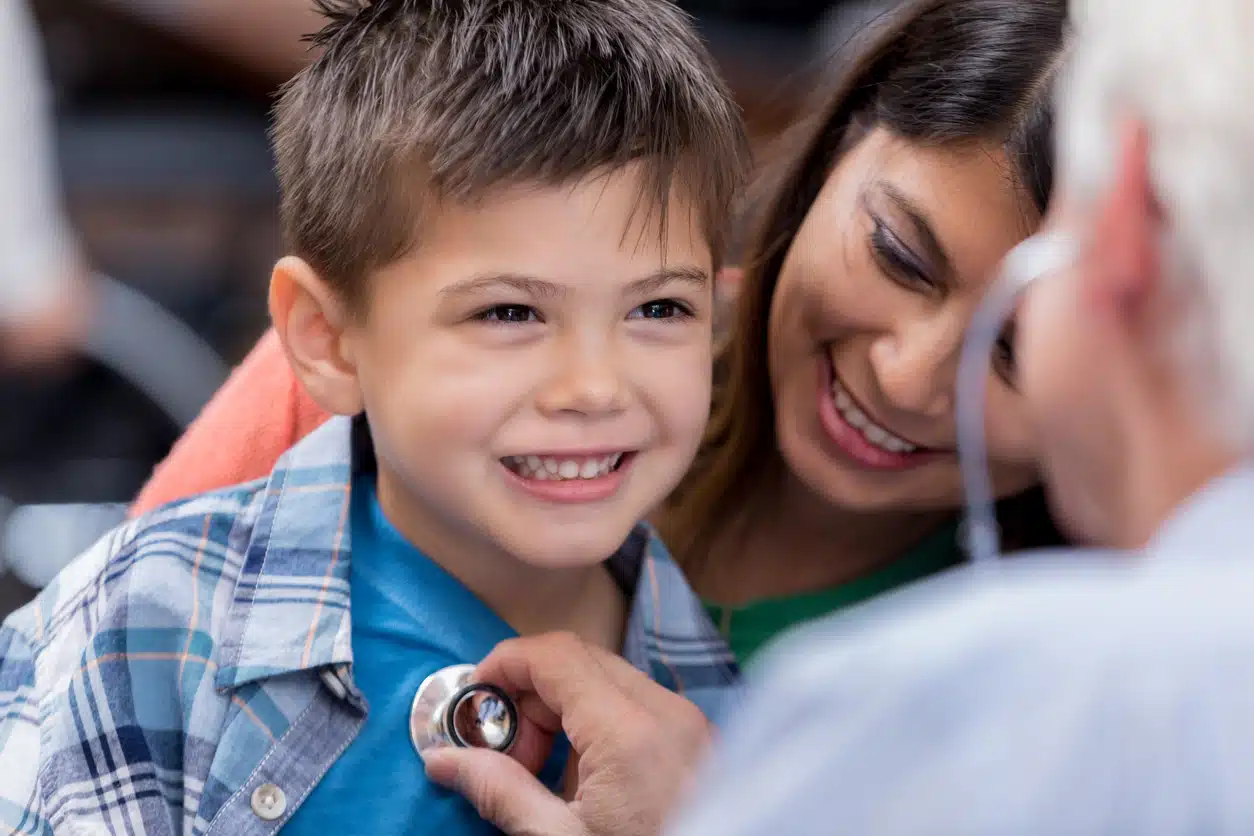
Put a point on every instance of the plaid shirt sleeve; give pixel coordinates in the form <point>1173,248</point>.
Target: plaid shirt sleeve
<point>108,711</point>
<point>21,808</point>
<point>41,649</point>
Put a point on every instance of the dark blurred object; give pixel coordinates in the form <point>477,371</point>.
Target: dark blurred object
<point>168,179</point>
<point>796,14</point>
<point>100,54</point>
<point>149,353</point>
<point>765,65</point>
<point>771,51</point>
<point>13,594</point>
<point>166,164</point>
<point>181,204</point>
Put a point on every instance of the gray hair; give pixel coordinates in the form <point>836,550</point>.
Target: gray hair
<point>1186,70</point>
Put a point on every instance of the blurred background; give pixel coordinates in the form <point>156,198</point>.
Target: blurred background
<point>156,147</point>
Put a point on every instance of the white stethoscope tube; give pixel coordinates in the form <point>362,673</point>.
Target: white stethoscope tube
<point>1031,259</point>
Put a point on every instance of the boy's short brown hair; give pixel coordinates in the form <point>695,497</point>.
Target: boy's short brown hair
<point>415,101</point>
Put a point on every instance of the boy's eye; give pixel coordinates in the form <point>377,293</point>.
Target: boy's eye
<point>509,314</point>
<point>661,309</point>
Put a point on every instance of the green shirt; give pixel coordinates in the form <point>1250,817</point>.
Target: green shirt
<point>750,626</point>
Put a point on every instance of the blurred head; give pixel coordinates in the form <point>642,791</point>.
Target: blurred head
<point>505,217</point>
<point>1157,161</point>
<point>924,163</point>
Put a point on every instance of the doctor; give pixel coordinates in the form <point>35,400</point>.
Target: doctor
<point>1078,694</point>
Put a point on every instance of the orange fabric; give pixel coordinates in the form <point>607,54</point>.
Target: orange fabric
<point>259,413</point>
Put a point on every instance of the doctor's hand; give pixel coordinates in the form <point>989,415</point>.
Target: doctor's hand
<point>634,744</point>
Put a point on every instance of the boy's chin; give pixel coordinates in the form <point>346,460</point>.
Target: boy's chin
<point>569,546</point>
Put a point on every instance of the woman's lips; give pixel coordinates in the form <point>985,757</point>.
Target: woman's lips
<point>862,440</point>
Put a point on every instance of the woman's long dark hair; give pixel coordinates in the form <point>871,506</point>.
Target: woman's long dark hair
<point>932,72</point>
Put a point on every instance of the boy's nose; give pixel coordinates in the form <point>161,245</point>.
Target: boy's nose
<point>585,383</point>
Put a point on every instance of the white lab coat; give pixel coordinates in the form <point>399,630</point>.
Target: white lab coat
<point>1068,694</point>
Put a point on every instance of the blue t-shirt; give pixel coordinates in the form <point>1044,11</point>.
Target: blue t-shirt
<point>410,619</point>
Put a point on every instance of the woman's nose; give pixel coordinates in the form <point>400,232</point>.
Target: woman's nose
<point>915,370</point>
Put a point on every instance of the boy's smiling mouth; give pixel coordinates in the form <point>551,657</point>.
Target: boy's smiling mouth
<point>558,468</point>
<point>568,477</point>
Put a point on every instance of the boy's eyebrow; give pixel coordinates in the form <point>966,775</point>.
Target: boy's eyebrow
<point>684,274</point>
<point>529,285</point>
<point>540,288</point>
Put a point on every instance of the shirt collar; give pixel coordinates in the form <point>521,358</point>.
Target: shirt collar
<point>290,607</point>
<point>1214,521</point>
<point>669,633</point>
<point>290,610</point>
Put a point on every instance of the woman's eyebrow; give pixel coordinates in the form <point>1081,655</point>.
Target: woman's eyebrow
<point>922,226</point>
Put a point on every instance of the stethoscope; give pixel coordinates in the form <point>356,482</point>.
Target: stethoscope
<point>1040,255</point>
<point>451,709</point>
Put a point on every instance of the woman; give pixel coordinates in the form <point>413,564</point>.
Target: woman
<point>829,473</point>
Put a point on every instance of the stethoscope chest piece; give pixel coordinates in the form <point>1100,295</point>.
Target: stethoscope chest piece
<point>450,709</point>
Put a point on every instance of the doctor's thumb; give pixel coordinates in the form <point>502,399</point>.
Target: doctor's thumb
<point>503,792</point>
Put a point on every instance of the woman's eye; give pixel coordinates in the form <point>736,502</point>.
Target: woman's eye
<point>895,258</point>
<point>1004,358</point>
<point>661,309</point>
<point>509,314</point>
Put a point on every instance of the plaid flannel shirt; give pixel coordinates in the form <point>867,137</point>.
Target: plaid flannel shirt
<point>191,673</point>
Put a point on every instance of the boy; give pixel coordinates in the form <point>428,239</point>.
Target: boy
<point>504,217</point>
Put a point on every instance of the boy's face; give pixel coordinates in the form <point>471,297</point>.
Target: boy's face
<point>536,374</point>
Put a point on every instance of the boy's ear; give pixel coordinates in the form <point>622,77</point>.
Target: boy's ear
<point>311,322</point>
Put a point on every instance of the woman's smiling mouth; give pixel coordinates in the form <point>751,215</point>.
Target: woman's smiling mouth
<point>856,433</point>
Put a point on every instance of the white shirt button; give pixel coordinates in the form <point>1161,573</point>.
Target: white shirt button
<point>269,802</point>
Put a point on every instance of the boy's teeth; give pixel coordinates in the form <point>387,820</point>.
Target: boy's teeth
<point>858,419</point>
<point>548,468</point>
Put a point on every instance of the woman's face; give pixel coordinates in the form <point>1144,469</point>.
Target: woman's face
<point>867,323</point>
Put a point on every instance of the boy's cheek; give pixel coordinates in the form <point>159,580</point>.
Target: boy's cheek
<point>682,390</point>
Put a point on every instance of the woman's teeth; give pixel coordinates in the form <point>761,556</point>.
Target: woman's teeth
<point>547,468</point>
<point>873,433</point>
